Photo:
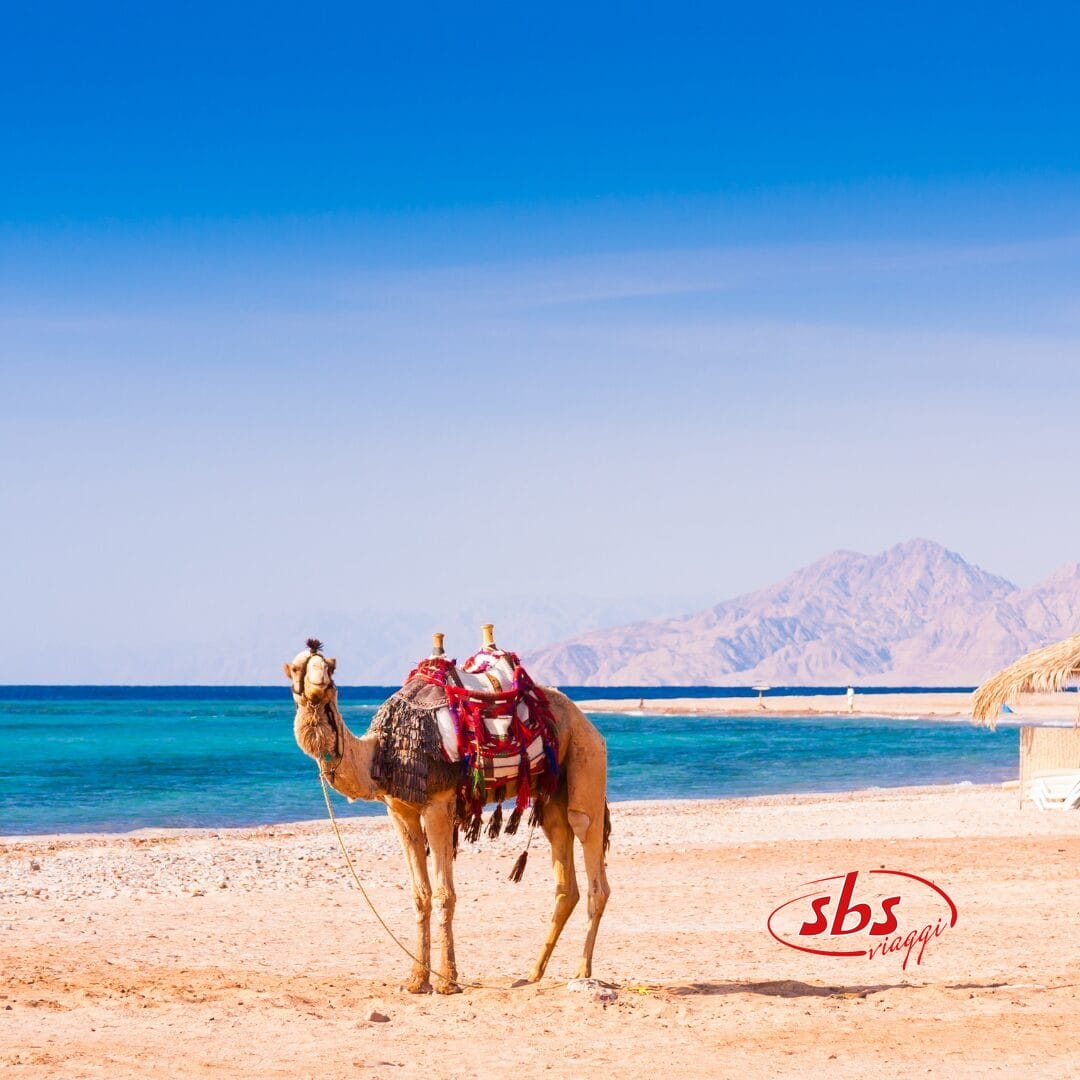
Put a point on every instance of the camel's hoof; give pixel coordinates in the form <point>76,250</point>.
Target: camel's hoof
<point>584,971</point>
<point>445,986</point>
<point>418,986</point>
<point>535,975</point>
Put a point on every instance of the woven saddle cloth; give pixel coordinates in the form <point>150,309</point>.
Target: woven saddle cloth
<point>485,714</point>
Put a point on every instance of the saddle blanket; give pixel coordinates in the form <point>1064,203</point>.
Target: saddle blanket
<point>484,722</point>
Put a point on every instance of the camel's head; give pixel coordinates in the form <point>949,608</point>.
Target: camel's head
<point>311,674</point>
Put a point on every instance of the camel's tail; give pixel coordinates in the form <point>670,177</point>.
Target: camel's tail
<point>607,827</point>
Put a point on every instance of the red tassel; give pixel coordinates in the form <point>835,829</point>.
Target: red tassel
<point>472,833</point>
<point>524,786</point>
<point>519,867</point>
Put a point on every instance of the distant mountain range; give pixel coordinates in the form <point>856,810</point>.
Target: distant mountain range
<point>915,615</point>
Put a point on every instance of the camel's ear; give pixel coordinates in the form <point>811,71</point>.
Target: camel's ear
<point>288,671</point>
<point>331,663</point>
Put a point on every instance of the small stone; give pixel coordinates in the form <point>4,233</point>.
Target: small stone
<point>376,1017</point>
<point>594,988</point>
<point>35,865</point>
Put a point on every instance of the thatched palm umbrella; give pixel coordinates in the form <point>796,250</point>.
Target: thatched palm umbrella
<point>1042,671</point>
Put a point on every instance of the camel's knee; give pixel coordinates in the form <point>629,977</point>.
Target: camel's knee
<point>422,903</point>
<point>567,895</point>
<point>580,823</point>
<point>599,891</point>
<point>444,901</point>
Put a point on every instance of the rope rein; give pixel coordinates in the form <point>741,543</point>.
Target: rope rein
<point>382,922</point>
<point>356,877</point>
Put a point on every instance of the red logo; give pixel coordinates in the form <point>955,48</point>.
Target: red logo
<point>873,914</point>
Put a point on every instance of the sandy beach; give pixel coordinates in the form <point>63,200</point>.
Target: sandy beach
<point>1033,709</point>
<point>248,952</point>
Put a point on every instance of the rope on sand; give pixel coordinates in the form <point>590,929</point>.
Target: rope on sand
<point>382,922</point>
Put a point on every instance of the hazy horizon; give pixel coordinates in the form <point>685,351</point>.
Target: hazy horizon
<point>378,650</point>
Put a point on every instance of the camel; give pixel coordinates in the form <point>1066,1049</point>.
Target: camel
<point>576,808</point>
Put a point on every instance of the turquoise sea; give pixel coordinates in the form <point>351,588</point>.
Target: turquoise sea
<point>90,759</point>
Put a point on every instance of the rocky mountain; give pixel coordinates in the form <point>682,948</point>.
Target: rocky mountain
<point>916,614</point>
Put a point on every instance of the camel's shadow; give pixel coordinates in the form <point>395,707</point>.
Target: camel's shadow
<point>791,988</point>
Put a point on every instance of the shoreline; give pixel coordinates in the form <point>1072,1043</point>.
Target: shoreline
<point>167,833</point>
<point>885,812</point>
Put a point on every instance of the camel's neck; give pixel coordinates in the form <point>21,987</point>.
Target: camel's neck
<point>350,773</point>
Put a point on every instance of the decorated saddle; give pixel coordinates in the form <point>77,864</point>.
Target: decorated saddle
<point>483,727</point>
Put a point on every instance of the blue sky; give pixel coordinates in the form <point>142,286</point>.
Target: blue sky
<point>361,321</point>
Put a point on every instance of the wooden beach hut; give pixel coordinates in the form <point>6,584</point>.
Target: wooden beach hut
<point>1043,671</point>
<point>1047,755</point>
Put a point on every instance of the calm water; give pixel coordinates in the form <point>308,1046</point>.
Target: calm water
<point>77,759</point>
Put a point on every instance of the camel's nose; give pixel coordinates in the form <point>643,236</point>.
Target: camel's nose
<point>318,677</point>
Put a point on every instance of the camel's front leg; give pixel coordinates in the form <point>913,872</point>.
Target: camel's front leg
<point>406,819</point>
<point>439,823</point>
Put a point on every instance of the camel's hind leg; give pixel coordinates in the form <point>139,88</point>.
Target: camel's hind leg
<point>557,827</point>
<point>592,840</point>
<point>587,812</point>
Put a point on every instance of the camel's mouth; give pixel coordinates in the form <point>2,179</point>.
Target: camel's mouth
<point>312,677</point>
<point>317,678</point>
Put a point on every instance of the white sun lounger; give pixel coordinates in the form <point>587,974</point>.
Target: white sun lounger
<point>1059,790</point>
